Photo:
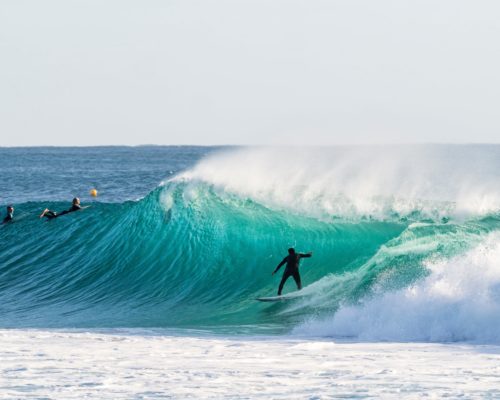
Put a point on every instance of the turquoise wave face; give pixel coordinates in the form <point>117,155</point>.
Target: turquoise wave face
<point>189,256</point>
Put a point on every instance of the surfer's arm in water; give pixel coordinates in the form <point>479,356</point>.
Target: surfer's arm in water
<point>280,265</point>
<point>305,255</point>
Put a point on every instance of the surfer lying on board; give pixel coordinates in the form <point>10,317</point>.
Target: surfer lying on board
<point>292,268</point>
<point>52,214</point>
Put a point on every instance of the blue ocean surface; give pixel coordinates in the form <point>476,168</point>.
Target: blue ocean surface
<point>405,240</point>
<point>119,173</point>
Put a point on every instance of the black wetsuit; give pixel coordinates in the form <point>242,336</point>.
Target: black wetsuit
<point>291,269</point>
<point>51,214</point>
<point>8,218</point>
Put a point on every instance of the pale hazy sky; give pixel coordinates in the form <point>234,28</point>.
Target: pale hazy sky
<point>249,72</point>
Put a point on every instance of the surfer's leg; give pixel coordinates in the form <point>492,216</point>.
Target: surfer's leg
<point>48,214</point>
<point>286,275</point>
<point>296,277</point>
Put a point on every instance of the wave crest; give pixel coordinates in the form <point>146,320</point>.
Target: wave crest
<point>376,182</point>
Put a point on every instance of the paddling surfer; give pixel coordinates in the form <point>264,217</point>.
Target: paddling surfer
<point>292,268</point>
<point>75,206</point>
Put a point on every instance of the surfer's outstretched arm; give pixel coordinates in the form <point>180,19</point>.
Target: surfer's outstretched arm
<point>279,265</point>
<point>306,255</point>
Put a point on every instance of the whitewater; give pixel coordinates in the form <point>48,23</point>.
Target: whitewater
<point>150,293</point>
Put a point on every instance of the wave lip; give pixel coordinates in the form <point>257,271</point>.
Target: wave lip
<point>374,182</point>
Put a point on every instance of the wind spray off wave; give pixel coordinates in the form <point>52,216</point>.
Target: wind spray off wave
<point>200,248</point>
<point>355,182</point>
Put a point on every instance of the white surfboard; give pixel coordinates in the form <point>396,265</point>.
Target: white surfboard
<point>274,298</point>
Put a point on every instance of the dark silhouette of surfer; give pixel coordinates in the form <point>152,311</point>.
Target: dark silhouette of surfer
<point>10,215</point>
<point>75,206</point>
<point>292,268</point>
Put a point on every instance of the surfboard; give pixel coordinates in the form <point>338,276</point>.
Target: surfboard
<point>273,298</point>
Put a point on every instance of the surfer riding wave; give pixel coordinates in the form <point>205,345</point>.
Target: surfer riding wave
<point>292,268</point>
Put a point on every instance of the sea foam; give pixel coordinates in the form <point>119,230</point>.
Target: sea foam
<point>458,301</point>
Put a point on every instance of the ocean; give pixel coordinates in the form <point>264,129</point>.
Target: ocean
<point>150,292</point>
